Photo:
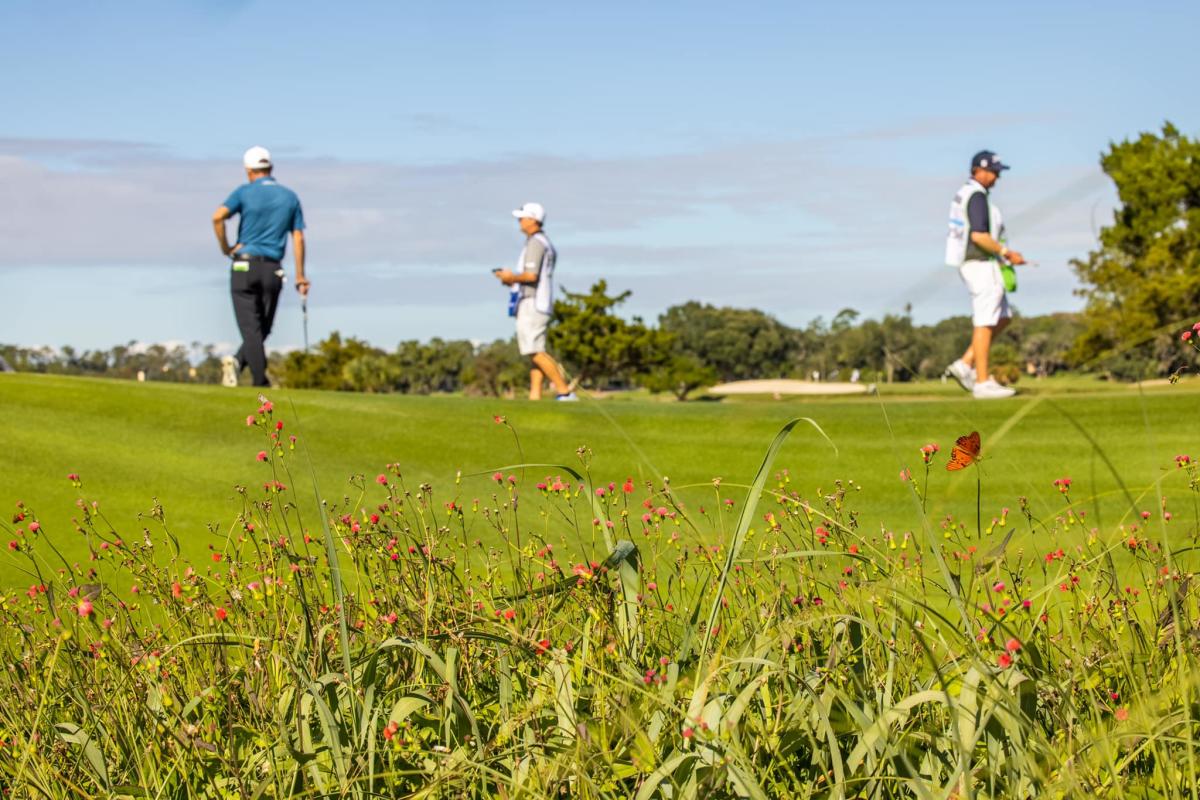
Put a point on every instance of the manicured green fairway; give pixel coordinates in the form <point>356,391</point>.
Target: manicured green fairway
<point>189,447</point>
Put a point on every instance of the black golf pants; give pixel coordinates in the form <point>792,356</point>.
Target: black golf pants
<point>255,298</point>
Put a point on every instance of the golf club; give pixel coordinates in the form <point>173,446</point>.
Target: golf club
<point>304,314</point>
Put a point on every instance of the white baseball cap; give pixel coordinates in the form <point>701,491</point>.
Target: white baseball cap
<point>257,158</point>
<point>533,211</point>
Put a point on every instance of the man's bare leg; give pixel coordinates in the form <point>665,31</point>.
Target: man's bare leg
<point>535,384</point>
<point>981,344</point>
<point>546,364</point>
<point>968,357</point>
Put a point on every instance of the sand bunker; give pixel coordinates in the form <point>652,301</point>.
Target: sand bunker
<point>782,387</point>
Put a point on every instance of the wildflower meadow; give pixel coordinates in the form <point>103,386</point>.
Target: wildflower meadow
<point>541,629</point>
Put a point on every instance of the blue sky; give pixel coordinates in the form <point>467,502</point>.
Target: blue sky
<point>796,157</point>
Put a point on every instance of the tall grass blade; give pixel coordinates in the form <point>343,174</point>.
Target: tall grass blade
<point>747,517</point>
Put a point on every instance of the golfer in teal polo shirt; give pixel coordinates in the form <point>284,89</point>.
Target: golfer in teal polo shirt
<point>268,212</point>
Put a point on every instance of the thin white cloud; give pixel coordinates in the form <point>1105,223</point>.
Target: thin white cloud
<point>794,227</point>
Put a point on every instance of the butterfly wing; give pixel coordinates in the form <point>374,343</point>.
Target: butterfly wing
<point>958,459</point>
<point>965,452</point>
<point>971,443</point>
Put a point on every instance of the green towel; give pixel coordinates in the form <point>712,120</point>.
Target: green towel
<point>1009,273</point>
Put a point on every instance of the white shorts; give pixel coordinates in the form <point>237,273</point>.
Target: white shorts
<point>531,328</point>
<point>989,303</point>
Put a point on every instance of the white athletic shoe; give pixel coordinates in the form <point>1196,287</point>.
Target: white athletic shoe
<point>990,390</point>
<point>569,397</point>
<point>964,374</point>
<point>229,372</point>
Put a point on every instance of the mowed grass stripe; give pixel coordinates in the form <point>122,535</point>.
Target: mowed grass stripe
<point>189,446</point>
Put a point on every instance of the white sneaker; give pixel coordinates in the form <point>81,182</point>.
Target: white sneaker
<point>569,397</point>
<point>964,374</point>
<point>229,372</point>
<point>990,390</point>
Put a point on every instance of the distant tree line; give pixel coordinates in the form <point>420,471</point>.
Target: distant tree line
<point>693,345</point>
<point>197,364</point>
<point>697,344</point>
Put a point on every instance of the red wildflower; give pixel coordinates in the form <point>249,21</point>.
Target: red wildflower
<point>84,608</point>
<point>1012,645</point>
<point>1004,660</point>
<point>262,455</point>
<point>220,614</point>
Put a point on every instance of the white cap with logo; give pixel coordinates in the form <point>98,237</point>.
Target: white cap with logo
<point>533,211</point>
<point>257,158</point>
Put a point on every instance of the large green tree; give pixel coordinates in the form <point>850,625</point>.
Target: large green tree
<point>739,343</point>
<point>600,347</point>
<point>1143,281</point>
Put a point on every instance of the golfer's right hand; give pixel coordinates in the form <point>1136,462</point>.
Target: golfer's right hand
<point>302,285</point>
<point>1015,258</point>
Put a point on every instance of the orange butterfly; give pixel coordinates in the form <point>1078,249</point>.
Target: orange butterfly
<point>965,452</point>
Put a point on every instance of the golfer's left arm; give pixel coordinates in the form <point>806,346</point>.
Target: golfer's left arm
<point>508,277</point>
<point>302,282</point>
<point>534,253</point>
<point>219,217</point>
